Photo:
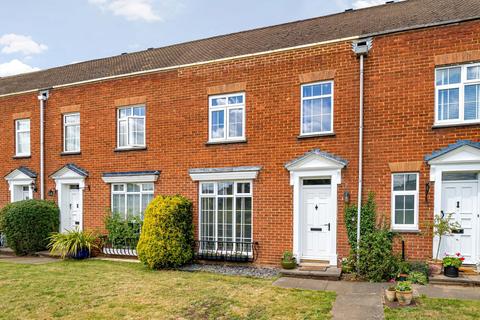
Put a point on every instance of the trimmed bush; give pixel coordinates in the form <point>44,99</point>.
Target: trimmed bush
<point>166,240</point>
<point>28,224</point>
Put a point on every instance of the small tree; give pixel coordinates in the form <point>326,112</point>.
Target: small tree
<point>166,240</point>
<point>443,225</point>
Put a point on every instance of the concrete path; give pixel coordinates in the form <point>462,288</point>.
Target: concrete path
<point>449,292</point>
<point>355,300</point>
<point>26,260</point>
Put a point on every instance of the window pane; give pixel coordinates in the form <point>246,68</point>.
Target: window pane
<point>235,100</point>
<point>139,111</point>
<point>118,203</point>
<point>454,176</point>
<point>473,73</point>
<point>243,187</point>
<point>411,182</point>
<point>235,122</point>
<point>307,91</point>
<point>122,134</point>
<point>72,138</point>
<point>118,187</point>
<point>399,217</point>
<point>146,198</point>
<point>136,131</point>
<point>23,143</point>
<point>409,217</point>
<point>398,182</point>
<point>317,182</point>
<point>207,222</point>
<point>326,88</point>
<point>225,188</point>
<point>132,187</point>
<point>219,101</point>
<point>23,125</point>
<point>448,101</point>
<point>218,124</point>
<point>243,216</point>
<point>133,204</point>
<point>208,188</point>
<point>399,202</point>
<point>147,187</point>
<point>125,112</point>
<point>409,202</point>
<point>307,116</point>
<point>472,102</point>
<point>448,76</point>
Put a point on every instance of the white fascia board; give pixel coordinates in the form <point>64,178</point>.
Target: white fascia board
<point>216,176</point>
<point>133,179</point>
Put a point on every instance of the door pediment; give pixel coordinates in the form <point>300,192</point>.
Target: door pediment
<point>316,160</point>
<point>461,152</point>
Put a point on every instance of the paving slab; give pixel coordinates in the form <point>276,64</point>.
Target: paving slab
<point>449,292</point>
<point>26,260</point>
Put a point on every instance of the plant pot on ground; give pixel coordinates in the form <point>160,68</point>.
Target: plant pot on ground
<point>451,265</point>
<point>74,244</point>
<point>435,267</point>
<point>404,293</point>
<point>390,293</point>
<point>288,260</point>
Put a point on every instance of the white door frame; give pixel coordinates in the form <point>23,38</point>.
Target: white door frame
<point>462,159</point>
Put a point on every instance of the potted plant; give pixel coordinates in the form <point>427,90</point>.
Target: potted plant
<point>403,291</point>
<point>74,244</point>
<point>390,293</point>
<point>403,270</point>
<point>442,225</point>
<point>288,260</point>
<point>451,265</point>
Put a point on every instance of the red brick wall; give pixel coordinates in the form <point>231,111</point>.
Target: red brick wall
<point>399,113</point>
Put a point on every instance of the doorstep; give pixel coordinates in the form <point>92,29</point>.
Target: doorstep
<point>328,273</point>
<point>6,252</point>
<point>467,280</point>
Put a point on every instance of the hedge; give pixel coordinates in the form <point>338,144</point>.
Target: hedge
<point>28,224</point>
<point>166,240</point>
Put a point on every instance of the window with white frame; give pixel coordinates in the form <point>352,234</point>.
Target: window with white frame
<point>405,201</point>
<point>226,215</point>
<point>457,94</point>
<point>317,108</point>
<point>71,132</point>
<point>131,199</point>
<point>22,137</point>
<point>227,117</point>
<point>131,127</point>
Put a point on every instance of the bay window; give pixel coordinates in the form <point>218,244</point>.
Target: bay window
<point>457,93</point>
<point>226,215</point>
<point>131,127</point>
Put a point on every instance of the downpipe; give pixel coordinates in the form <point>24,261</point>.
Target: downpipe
<point>42,97</point>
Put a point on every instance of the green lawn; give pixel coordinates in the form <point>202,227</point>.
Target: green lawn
<point>114,290</point>
<point>444,309</point>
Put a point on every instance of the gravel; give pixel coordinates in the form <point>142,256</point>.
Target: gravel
<point>247,271</point>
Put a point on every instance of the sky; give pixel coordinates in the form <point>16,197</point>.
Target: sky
<point>40,34</point>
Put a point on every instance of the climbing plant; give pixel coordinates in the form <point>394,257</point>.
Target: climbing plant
<point>367,222</point>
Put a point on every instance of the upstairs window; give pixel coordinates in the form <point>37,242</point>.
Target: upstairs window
<point>405,201</point>
<point>22,137</point>
<point>457,94</point>
<point>317,108</point>
<point>71,132</point>
<point>131,127</point>
<point>227,117</point>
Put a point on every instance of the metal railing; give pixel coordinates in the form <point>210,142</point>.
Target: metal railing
<point>124,247</point>
<point>3,241</point>
<point>232,251</point>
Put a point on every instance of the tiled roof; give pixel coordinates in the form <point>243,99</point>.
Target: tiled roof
<point>451,147</point>
<point>26,171</point>
<point>382,19</point>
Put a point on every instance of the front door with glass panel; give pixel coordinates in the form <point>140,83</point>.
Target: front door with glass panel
<point>74,216</point>
<point>460,198</point>
<point>317,219</point>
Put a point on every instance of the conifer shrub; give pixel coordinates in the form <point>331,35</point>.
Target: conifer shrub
<point>167,239</point>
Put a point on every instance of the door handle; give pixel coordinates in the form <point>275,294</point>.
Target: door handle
<point>328,225</point>
<point>458,204</point>
<point>315,229</point>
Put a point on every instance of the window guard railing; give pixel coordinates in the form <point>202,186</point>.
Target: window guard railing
<point>233,251</point>
<point>125,247</point>
<point>3,241</point>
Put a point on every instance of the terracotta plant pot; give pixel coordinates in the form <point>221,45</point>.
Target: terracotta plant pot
<point>435,267</point>
<point>451,272</point>
<point>390,294</point>
<point>289,264</point>
<point>404,297</point>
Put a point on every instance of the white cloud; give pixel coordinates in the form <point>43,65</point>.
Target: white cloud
<point>15,66</point>
<point>13,43</point>
<point>133,9</point>
<point>357,4</point>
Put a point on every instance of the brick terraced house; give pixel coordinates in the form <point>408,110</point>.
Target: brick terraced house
<point>262,130</point>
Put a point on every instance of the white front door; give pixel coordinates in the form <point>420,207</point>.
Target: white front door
<point>72,209</point>
<point>460,198</point>
<point>317,219</point>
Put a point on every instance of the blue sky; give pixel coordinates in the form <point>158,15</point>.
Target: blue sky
<point>42,34</point>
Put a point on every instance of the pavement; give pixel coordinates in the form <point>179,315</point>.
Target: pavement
<point>26,259</point>
<point>364,300</point>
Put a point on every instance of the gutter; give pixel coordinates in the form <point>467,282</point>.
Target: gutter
<point>361,49</point>
<point>42,97</point>
<point>374,34</point>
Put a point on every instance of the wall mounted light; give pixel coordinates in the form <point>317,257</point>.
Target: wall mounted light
<point>427,191</point>
<point>346,197</point>
<point>52,192</point>
<point>33,186</point>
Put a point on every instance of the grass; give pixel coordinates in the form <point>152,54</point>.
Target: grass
<point>114,290</point>
<point>444,309</point>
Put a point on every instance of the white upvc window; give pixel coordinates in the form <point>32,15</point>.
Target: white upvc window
<point>22,137</point>
<point>405,201</point>
<point>457,94</point>
<point>317,108</point>
<point>226,215</point>
<point>227,117</point>
<point>71,132</point>
<point>131,199</point>
<point>131,127</point>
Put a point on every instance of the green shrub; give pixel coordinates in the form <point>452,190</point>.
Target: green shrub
<point>377,261</point>
<point>28,224</point>
<point>166,240</point>
<point>367,222</point>
<point>419,266</point>
<point>417,277</point>
<point>123,231</point>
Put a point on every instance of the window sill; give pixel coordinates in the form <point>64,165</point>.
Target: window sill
<point>22,157</point>
<point>452,125</point>
<point>316,135</point>
<point>210,143</point>
<point>413,231</point>
<point>76,153</point>
<point>130,149</point>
